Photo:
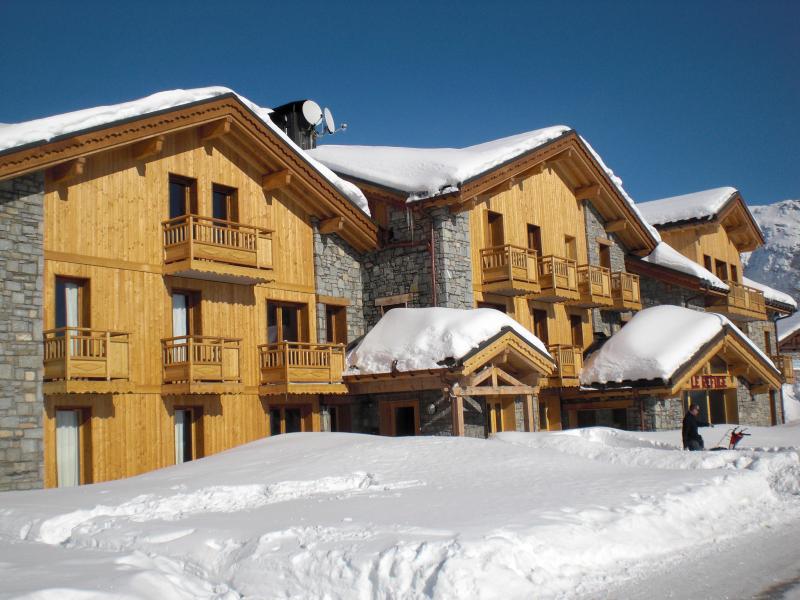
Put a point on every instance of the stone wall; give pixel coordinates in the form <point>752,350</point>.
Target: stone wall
<point>659,414</point>
<point>338,272</point>
<point>656,293</point>
<point>754,409</point>
<point>21,349</point>
<point>452,259</point>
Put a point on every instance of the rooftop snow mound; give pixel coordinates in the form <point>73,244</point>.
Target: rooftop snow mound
<point>426,172</point>
<point>43,130</point>
<point>771,294</point>
<point>665,255</point>
<point>655,344</point>
<point>687,207</point>
<point>414,339</point>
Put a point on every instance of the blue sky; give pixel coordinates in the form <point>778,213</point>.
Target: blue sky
<point>676,96</point>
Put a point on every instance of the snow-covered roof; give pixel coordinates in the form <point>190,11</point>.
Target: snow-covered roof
<point>655,344</point>
<point>666,256</point>
<point>43,130</point>
<point>771,294</point>
<point>788,326</point>
<point>687,207</point>
<point>414,339</point>
<point>427,172</point>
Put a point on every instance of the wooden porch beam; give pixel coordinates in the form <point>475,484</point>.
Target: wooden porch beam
<point>68,170</point>
<point>500,390</point>
<point>587,192</point>
<point>332,225</point>
<point>618,225</point>
<point>147,148</point>
<point>276,180</point>
<point>215,129</point>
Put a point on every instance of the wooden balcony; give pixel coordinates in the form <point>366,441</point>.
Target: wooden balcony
<point>509,270</point>
<point>784,364</point>
<point>301,368</point>
<point>569,362</point>
<point>625,291</point>
<point>742,303</point>
<point>558,280</point>
<point>217,250</point>
<point>201,365</point>
<point>80,360</point>
<point>594,286</point>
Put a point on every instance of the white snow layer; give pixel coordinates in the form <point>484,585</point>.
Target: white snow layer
<point>412,339</point>
<point>45,129</point>
<point>655,344</point>
<point>698,205</point>
<point>791,402</point>
<point>666,256</point>
<point>770,293</point>
<point>426,172</point>
<point>342,516</point>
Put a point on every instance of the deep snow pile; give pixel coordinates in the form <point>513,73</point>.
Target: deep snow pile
<point>412,339</point>
<point>560,514</point>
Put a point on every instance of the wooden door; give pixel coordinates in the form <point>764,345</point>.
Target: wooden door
<point>540,324</point>
<point>576,330</point>
<point>494,229</point>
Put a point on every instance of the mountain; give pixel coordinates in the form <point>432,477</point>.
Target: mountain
<point>777,262</point>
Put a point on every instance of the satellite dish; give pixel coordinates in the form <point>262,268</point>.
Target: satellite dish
<point>330,125</point>
<point>312,113</point>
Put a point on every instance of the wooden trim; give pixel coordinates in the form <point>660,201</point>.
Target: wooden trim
<point>332,225</point>
<point>67,171</point>
<point>276,180</point>
<point>147,148</point>
<point>215,129</point>
<point>614,226</point>
<point>389,300</point>
<point>333,300</point>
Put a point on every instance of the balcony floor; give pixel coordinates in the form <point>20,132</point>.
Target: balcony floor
<point>87,386</point>
<point>181,389</point>
<point>511,288</point>
<point>217,271</point>
<point>302,388</point>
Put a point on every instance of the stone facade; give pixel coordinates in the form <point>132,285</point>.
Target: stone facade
<point>452,259</point>
<point>658,414</point>
<point>656,293</point>
<point>338,272</point>
<point>21,349</point>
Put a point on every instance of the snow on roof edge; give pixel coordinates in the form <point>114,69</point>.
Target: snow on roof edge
<point>771,294</point>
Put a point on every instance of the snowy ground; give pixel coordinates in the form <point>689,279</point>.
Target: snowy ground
<point>594,513</point>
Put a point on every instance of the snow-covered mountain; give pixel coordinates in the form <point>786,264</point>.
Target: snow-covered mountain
<point>777,262</point>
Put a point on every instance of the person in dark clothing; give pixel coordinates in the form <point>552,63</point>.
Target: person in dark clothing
<point>691,439</point>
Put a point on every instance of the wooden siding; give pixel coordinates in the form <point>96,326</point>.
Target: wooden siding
<point>711,240</point>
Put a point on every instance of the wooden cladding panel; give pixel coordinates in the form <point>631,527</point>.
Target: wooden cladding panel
<point>114,209</point>
<point>712,240</point>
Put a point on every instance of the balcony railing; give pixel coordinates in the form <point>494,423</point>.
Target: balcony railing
<point>625,291</point>
<point>558,279</point>
<point>569,362</point>
<point>198,359</point>
<point>72,353</point>
<point>784,364</point>
<point>594,285</point>
<point>509,270</point>
<point>285,363</point>
<point>192,237</point>
<point>742,303</point>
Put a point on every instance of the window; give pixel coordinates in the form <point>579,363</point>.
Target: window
<point>619,416</point>
<point>605,255</point>
<point>73,444</point>
<point>224,203</point>
<point>543,425</point>
<point>707,263</point>
<point>576,330</point>
<point>494,229</point>
<point>335,324</point>
<point>338,418</point>
<point>399,417</point>
<point>773,408</point>
<point>734,274</point>
<point>535,239</point>
<point>570,248</point>
<point>72,302</point>
<point>540,324</point>
<point>721,269</point>
<point>188,434</point>
<point>283,322</point>
<point>182,196</point>
<point>289,419</point>
<point>186,319</point>
<point>713,406</point>
<point>587,418</point>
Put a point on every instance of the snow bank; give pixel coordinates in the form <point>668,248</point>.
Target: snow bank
<point>412,339</point>
<point>43,130</point>
<point>426,172</point>
<point>698,205</point>
<point>791,402</point>
<point>666,256</point>
<point>655,344</point>
<point>771,294</point>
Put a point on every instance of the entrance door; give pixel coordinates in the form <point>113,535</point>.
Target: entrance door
<point>716,406</point>
<point>283,322</point>
<point>68,462</point>
<point>185,435</point>
<point>494,416</point>
<point>405,421</point>
<point>290,419</point>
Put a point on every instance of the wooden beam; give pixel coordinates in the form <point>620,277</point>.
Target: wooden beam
<point>458,415</point>
<point>500,390</point>
<point>587,192</point>
<point>68,170</point>
<point>215,129</point>
<point>147,148</point>
<point>618,225</point>
<point>507,378</point>
<point>566,155</point>
<point>332,225</point>
<point>276,180</point>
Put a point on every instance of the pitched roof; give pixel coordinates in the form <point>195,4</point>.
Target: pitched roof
<point>667,257</point>
<point>687,207</point>
<point>788,326</point>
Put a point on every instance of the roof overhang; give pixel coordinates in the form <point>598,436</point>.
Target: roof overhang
<point>245,132</point>
<point>671,276</point>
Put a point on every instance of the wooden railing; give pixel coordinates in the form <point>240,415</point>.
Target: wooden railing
<point>301,362</point>
<point>509,263</point>
<point>746,299</point>
<point>205,238</point>
<point>81,353</point>
<point>557,273</point>
<point>625,290</point>
<point>569,360</point>
<point>594,284</point>
<point>189,359</point>
<point>784,364</point>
